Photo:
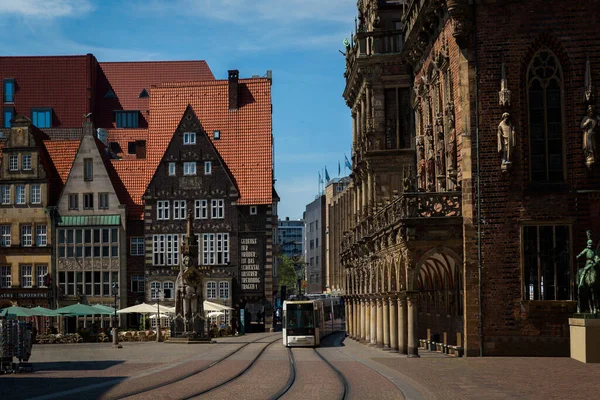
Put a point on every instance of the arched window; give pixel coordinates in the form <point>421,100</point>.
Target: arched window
<point>154,290</point>
<point>224,290</point>
<point>211,290</point>
<point>544,86</point>
<point>168,289</point>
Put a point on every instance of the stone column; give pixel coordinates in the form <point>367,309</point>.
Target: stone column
<point>348,316</point>
<point>379,323</point>
<point>386,323</point>
<point>368,98</point>
<point>350,324</point>
<point>370,203</point>
<point>363,320</point>
<point>393,325</point>
<point>359,322</point>
<point>356,319</point>
<point>402,335</point>
<point>364,189</point>
<point>363,116</point>
<point>373,305</point>
<point>353,128</point>
<point>413,348</point>
<point>367,321</point>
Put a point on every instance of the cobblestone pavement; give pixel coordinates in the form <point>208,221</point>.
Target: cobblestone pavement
<point>97,371</point>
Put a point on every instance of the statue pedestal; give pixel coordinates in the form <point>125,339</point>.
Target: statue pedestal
<point>585,338</point>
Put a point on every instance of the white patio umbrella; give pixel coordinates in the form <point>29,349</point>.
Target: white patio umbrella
<point>165,309</point>
<point>139,308</point>
<point>210,306</point>
<point>215,313</point>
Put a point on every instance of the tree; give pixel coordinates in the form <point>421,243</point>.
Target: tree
<point>286,273</point>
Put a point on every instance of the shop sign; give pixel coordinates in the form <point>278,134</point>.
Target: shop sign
<point>251,265</point>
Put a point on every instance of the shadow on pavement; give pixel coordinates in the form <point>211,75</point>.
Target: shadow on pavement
<point>334,340</point>
<point>34,386</point>
<point>74,365</point>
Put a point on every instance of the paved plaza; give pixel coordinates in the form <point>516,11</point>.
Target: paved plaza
<point>160,370</point>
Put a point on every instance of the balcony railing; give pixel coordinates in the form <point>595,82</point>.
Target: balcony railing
<point>378,42</point>
<point>408,206</point>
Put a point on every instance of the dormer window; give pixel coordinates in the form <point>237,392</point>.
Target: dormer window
<point>143,93</point>
<point>7,114</point>
<point>42,117</point>
<point>127,119</point>
<point>216,135</point>
<point>189,138</point>
<point>9,90</point>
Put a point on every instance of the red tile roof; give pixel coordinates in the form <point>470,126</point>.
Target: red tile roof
<point>246,134</point>
<point>124,136</point>
<point>59,82</point>
<point>128,79</point>
<point>62,153</point>
<point>132,175</point>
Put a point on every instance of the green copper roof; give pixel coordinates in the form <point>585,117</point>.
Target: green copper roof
<point>89,220</point>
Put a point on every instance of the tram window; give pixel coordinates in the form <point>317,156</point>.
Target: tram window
<point>300,316</point>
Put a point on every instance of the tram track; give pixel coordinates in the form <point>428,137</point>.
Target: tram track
<point>195,371</point>
<point>291,379</point>
<point>345,384</point>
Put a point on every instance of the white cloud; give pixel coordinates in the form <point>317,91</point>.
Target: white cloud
<point>45,9</point>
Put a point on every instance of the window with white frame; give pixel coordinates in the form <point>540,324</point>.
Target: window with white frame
<point>155,288</point>
<point>137,284</point>
<point>223,290</point>
<point>168,290</point>
<point>215,248</point>
<point>207,167</point>
<point>13,163</point>
<point>218,208</point>
<point>41,235</point>
<point>162,209</point>
<point>165,249</point>
<point>26,235</point>
<point>35,194</point>
<point>253,210</point>
<point>5,192</point>
<point>189,138</point>
<point>179,209</point>
<point>201,209</point>
<point>41,272</point>
<point>189,168</point>
<point>20,194</point>
<point>171,169</point>
<point>88,242</point>
<point>211,290</point>
<point>5,277</point>
<point>137,246</point>
<point>26,162</point>
<point>26,276</point>
<point>5,235</point>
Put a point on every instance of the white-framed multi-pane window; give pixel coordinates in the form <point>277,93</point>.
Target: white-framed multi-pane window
<point>211,290</point>
<point>138,284</point>
<point>41,235</point>
<point>207,167</point>
<point>223,290</point>
<point>41,272</point>
<point>26,276</point>
<point>189,138</point>
<point>217,208</point>
<point>155,288</point>
<point>162,209</point>
<point>137,246</point>
<point>171,169</point>
<point>26,235</point>
<point>215,248</point>
<point>35,194</point>
<point>167,289</point>
<point>5,277</point>
<point>5,194</point>
<point>5,237</point>
<point>179,209</point>
<point>165,249</point>
<point>20,194</point>
<point>26,162</point>
<point>92,283</point>
<point>88,242</point>
<point>13,163</point>
<point>201,209</point>
<point>189,168</point>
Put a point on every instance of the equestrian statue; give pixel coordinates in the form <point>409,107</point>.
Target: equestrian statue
<point>588,279</point>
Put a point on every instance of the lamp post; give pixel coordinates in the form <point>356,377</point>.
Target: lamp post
<point>115,291</point>
<point>161,296</point>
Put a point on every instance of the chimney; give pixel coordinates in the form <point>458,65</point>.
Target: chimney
<point>88,129</point>
<point>233,88</point>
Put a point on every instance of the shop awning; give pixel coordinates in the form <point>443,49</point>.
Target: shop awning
<point>89,220</point>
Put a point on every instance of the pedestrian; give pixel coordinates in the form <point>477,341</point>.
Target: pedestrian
<point>234,326</point>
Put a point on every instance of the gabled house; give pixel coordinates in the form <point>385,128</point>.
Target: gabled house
<point>28,183</point>
<point>90,229</point>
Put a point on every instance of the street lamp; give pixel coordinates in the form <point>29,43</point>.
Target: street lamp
<point>161,296</point>
<point>115,292</point>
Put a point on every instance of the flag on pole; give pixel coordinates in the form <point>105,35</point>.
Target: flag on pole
<point>327,178</point>
<point>348,164</point>
<point>320,178</point>
<point>339,169</point>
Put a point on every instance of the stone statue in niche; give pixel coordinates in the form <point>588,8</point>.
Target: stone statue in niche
<point>589,125</point>
<point>506,141</point>
<point>422,167</point>
<point>430,170</point>
<point>451,147</point>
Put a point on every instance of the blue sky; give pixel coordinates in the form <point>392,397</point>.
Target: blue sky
<point>297,39</point>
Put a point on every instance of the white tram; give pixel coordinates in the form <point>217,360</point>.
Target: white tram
<point>306,321</point>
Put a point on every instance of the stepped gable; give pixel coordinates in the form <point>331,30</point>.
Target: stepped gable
<point>245,142</point>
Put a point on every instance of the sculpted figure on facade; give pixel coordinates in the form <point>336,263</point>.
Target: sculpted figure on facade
<point>588,279</point>
<point>589,125</point>
<point>506,140</point>
<point>422,164</point>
